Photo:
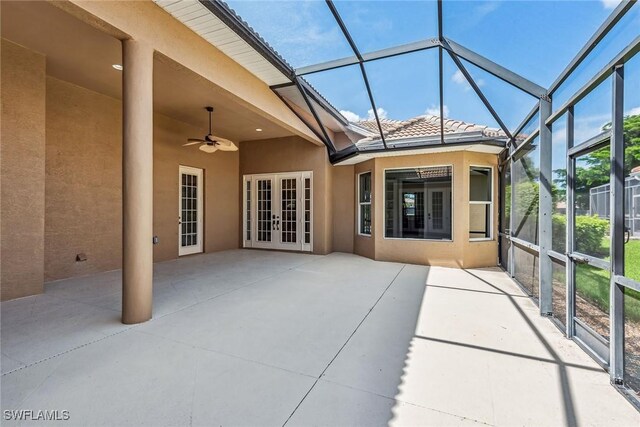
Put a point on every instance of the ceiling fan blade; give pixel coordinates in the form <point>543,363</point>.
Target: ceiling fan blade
<point>208,148</point>
<point>193,141</point>
<point>225,145</point>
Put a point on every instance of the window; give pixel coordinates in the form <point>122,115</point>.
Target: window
<point>480,203</point>
<point>418,203</point>
<point>364,204</point>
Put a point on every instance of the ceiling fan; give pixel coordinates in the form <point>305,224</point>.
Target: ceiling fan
<point>212,143</point>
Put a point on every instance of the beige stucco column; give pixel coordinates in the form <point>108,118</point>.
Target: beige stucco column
<point>137,181</point>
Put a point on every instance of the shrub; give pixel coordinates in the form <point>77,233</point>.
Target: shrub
<point>590,230</point>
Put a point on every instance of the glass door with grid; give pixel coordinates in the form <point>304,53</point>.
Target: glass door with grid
<point>277,211</point>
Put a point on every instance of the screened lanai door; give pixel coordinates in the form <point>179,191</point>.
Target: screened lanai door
<point>277,211</point>
<point>588,261</point>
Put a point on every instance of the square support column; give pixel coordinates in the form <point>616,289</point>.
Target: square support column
<point>137,182</point>
<point>545,211</point>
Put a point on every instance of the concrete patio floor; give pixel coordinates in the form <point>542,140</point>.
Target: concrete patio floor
<point>266,338</point>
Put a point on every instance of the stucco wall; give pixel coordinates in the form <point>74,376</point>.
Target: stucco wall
<point>294,154</point>
<point>84,181</point>
<point>343,197</point>
<point>84,184</point>
<point>459,252</point>
<point>221,189</point>
<point>22,154</point>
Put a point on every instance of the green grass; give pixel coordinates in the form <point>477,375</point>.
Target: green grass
<point>593,283</point>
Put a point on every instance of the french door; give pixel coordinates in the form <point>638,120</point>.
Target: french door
<point>438,211</point>
<point>277,211</point>
<point>190,185</point>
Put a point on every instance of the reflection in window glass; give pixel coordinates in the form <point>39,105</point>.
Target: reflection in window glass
<point>592,298</point>
<point>480,203</point>
<point>526,268</point>
<point>526,172</point>
<point>559,184</point>
<point>559,293</point>
<point>364,204</point>
<point>592,203</point>
<point>632,340</point>
<point>632,167</point>
<point>418,203</point>
<point>592,115</point>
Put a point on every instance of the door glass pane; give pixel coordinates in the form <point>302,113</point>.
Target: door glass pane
<point>288,210</point>
<point>591,230</point>
<point>592,298</point>
<point>559,295</point>
<point>632,340</point>
<point>248,210</point>
<point>189,210</point>
<point>307,210</point>
<point>264,210</point>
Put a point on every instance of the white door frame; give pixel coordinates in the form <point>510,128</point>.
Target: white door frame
<point>249,211</point>
<point>446,213</point>
<point>198,246</point>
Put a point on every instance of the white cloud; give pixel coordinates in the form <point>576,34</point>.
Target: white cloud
<point>382,113</point>
<point>459,78</point>
<point>633,112</point>
<point>350,115</point>
<point>609,4</point>
<point>434,110</point>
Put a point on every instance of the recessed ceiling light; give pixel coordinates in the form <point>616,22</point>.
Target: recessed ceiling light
<point>258,130</point>
<point>117,67</point>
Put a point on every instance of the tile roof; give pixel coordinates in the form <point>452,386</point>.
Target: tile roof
<point>424,126</point>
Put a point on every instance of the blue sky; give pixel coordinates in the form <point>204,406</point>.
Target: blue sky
<point>536,39</point>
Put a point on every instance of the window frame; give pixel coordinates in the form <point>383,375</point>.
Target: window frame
<point>490,203</point>
<point>360,204</point>
<point>384,202</point>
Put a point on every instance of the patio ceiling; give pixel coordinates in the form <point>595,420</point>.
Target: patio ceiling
<point>83,55</point>
<point>353,61</point>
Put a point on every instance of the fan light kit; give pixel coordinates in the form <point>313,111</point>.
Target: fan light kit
<point>210,143</point>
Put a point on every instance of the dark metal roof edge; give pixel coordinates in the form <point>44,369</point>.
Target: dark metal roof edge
<point>353,151</point>
<point>344,154</point>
